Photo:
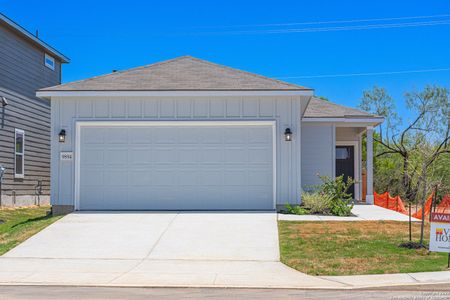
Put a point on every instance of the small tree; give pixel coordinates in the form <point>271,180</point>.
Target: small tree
<point>379,102</point>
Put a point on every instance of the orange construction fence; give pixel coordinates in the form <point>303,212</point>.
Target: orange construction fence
<point>418,214</point>
<point>395,203</point>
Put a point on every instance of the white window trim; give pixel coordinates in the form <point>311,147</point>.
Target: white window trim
<point>51,67</point>
<point>82,124</point>
<point>22,132</point>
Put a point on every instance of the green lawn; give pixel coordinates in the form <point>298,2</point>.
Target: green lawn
<point>17,225</point>
<point>350,248</point>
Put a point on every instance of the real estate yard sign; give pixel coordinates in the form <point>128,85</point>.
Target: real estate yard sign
<point>440,232</point>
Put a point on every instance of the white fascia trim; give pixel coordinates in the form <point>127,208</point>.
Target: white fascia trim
<point>49,94</point>
<point>344,120</point>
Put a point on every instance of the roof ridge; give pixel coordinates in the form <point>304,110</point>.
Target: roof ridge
<point>245,72</point>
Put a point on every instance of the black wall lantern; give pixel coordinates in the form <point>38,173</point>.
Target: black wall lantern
<point>62,136</point>
<point>288,135</point>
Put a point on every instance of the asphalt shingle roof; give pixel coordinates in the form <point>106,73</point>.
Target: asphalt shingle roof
<point>187,73</point>
<point>180,74</point>
<point>318,108</point>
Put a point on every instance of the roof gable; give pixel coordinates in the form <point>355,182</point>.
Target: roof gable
<point>185,73</point>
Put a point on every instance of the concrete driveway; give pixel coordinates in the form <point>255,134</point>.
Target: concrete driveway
<point>151,235</point>
<point>155,249</point>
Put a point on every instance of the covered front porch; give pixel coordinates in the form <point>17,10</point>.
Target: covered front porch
<point>350,161</point>
<point>344,157</point>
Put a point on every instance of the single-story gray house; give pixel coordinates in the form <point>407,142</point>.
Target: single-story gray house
<point>187,134</point>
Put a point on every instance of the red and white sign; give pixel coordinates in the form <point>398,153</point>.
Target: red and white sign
<point>440,232</point>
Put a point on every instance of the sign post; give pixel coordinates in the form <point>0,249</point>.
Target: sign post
<point>440,234</point>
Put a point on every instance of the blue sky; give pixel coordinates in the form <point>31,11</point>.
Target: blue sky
<point>100,36</point>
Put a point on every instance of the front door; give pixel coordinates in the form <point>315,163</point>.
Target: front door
<point>345,164</point>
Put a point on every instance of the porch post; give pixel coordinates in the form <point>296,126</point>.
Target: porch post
<point>369,166</point>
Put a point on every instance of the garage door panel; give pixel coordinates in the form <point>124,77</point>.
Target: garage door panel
<point>214,155</point>
<point>93,156</point>
<point>139,135</point>
<point>235,177</point>
<point>115,177</point>
<point>165,155</point>
<point>140,178</point>
<point>261,155</point>
<point>188,177</point>
<point>116,136</point>
<point>165,135</point>
<point>117,157</point>
<point>93,194</point>
<point>235,135</point>
<point>164,176</point>
<point>236,155</point>
<point>176,167</point>
<point>94,137</point>
<point>188,155</point>
<point>259,178</point>
<point>139,156</point>
<point>91,176</point>
<point>211,177</point>
<point>257,135</point>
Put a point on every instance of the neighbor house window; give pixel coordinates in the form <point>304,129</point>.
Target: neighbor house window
<point>49,61</point>
<point>19,153</point>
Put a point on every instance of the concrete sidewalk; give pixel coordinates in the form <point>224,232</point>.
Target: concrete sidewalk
<point>182,273</point>
<point>361,212</point>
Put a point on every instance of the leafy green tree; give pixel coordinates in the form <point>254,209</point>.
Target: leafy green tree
<point>379,102</point>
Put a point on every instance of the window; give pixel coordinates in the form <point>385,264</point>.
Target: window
<point>19,153</point>
<point>342,153</point>
<point>49,61</point>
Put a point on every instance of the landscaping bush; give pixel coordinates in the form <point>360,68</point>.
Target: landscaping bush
<point>316,202</point>
<point>330,197</point>
<point>341,202</point>
<point>295,210</point>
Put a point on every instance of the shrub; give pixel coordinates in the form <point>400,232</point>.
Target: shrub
<point>295,210</point>
<point>316,202</point>
<point>341,202</point>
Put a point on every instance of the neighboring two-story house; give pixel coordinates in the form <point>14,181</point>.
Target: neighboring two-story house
<point>26,65</point>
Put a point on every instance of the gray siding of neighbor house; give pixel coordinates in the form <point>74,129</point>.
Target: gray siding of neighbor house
<point>66,111</point>
<point>318,152</point>
<point>22,68</point>
<point>22,72</point>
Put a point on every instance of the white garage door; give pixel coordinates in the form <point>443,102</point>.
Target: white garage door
<point>176,166</point>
